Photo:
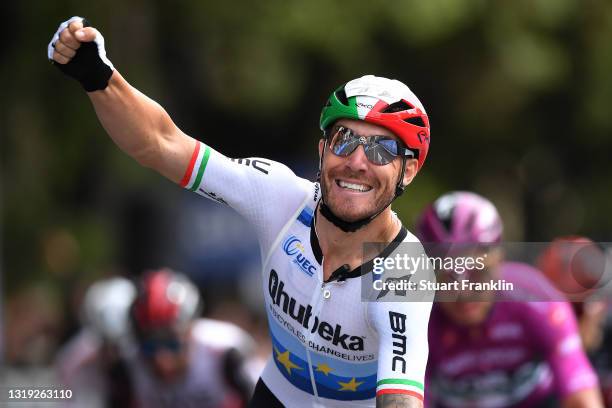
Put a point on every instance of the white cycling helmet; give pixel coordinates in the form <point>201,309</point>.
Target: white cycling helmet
<point>106,307</point>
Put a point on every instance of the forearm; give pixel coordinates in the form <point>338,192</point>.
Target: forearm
<point>398,401</point>
<point>141,127</point>
<point>589,398</point>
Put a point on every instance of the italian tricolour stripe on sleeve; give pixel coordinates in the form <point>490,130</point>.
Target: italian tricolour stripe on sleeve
<point>399,386</point>
<point>193,176</point>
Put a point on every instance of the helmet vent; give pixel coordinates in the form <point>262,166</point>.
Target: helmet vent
<point>416,120</point>
<point>399,106</point>
<point>469,225</point>
<point>447,220</point>
<point>341,95</point>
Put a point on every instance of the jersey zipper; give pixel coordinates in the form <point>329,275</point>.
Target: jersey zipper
<point>318,301</point>
<point>316,307</point>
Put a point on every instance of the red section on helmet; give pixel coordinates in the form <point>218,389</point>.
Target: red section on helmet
<point>574,264</point>
<point>153,308</point>
<point>410,125</point>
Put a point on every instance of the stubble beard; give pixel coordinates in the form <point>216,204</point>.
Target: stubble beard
<point>347,210</point>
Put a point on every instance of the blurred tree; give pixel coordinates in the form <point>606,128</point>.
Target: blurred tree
<point>518,93</point>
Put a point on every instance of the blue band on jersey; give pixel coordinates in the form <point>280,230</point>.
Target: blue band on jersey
<point>333,379</point>
<point>305,216</point>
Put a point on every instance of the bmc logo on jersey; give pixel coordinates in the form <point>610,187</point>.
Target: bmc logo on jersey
<point>398,327</point>
<point>294,248</point>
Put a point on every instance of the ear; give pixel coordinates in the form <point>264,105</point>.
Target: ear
<point>321,146</point>
<point>412,167</point>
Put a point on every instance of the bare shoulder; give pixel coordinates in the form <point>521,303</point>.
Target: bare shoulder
<point>398,401</point>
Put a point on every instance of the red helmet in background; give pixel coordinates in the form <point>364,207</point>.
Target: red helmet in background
<point>574,264</point>
<point>167,300</point>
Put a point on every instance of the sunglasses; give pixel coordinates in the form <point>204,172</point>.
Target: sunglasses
<point>379,150</point>
<point>150,347</point>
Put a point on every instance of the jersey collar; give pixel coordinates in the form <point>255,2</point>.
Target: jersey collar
<point>343,272</point>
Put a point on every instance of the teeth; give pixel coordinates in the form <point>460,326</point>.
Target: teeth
<point>353,186</point>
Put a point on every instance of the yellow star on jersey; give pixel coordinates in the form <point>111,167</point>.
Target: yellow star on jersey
<point>300,246</point>
<point>324,368</point>
<point>284,359</point>
<point>349,386</point>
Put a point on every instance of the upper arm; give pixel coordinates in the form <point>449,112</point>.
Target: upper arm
<point>401,320</point>
<point>590,398</point>
<point>236,374</point>
<point>560,339</point>
<point>265,192</point>
<point>398,401</point>
<point>403,348</point>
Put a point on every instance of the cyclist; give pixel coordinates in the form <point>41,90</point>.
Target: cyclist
<point>91,364</point>
<point>145,346</point>
<point>329,348</point>
<point>181,360</point>
<point>495,350</point>
<point>577,267</point>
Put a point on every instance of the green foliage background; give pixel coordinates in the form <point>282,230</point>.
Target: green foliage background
<point>518,93</point>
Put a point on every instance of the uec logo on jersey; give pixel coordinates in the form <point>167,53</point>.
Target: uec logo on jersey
<point>294,248</point>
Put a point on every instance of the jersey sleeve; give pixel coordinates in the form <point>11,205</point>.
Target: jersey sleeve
<point>265,192</point>
<point>560,341</point>
<point>403,346</point>
<point>434,331</point>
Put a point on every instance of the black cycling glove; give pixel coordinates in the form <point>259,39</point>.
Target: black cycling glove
<point>89,66</point>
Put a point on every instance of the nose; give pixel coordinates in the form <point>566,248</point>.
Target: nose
<point>357,160</point>
<point>165,364</point>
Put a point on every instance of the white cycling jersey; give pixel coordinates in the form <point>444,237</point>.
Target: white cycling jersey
<point>329,347</point>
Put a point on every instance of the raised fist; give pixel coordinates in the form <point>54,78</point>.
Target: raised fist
<point>78,51</point>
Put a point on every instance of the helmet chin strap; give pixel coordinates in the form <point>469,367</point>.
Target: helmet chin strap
<point>352,226</point>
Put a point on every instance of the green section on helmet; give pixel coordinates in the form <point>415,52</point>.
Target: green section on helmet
<point>334,110</point>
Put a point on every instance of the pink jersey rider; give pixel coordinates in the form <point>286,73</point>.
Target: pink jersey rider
<point>517,353</point>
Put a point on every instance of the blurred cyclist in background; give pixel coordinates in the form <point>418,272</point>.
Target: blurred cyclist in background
<point>181,360</point>
<point>577,266</point>
<point>168,356</point>
<point>91,364</point>
<point>493,350</point>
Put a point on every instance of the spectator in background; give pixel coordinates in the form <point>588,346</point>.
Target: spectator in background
<point>579,269</point>
<point>494,348</point>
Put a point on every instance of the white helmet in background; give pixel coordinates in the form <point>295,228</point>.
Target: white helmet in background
<point>106,307</point>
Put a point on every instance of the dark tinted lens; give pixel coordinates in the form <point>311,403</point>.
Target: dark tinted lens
<point>344,142</point>
<point>379,149</point>
<point>389,144</point>
<point>377,154</point>
<point>150,347</point>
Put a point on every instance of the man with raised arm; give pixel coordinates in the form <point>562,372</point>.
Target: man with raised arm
<point>330,348</point>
